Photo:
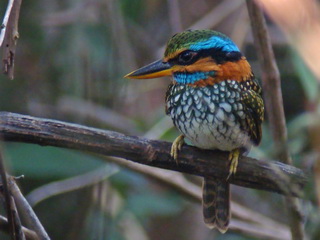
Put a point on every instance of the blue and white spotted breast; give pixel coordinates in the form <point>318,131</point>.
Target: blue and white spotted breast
<point>211,117</point>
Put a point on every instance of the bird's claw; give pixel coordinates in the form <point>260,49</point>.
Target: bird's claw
<point>233,159</point>
<point>176,147</point>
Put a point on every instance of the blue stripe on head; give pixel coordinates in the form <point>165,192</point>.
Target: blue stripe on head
<point>187,78</point>
<point>224,43</point>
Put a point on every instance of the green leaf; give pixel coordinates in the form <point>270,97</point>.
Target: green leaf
<point>48,162</point>
<point>151,203</point>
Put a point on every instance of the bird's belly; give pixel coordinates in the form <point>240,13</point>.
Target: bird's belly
<point>218,134</point>
<point>210,117</point>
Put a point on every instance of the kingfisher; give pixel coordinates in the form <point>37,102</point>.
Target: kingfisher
<point>214,101</point>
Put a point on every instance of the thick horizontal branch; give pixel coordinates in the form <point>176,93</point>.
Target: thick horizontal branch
<point>260,174</point>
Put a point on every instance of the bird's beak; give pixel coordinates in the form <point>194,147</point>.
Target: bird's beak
<point>152,70</point>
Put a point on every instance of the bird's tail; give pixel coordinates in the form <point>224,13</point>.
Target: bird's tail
<point>216,203</point>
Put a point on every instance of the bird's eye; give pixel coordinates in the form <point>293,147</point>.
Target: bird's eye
<point>186,57</point>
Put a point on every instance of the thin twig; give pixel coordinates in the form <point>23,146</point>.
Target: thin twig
<point>7,197</point>
<point>258,231</point>
<point>193,192</point>
<point>270,81</point>
<point>3,27</point>
<point>9,36</point>
<point>18,233</point>
<point>70,184</point>
<point>251,173</point>
<point>274,106</point>
<point>301,24</point>
<point>30,235</point>
<point>27,212</point>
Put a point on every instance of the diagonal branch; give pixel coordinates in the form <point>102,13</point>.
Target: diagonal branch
<point>18,232</point>
<point>26,211</point>
<point>71,184</point>
<point>267,227</point>
<point>274,105</point>
<point>9,36</point>
<point>265,175</point>
<point>30,235</point>
<point>7,199</point>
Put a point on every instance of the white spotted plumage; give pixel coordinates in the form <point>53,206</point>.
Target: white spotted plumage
<point>210,117</point>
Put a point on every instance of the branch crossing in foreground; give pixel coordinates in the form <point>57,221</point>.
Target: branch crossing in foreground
<point>259,174</point>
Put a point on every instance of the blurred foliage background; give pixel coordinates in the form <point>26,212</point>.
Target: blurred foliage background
<point>71,59</point>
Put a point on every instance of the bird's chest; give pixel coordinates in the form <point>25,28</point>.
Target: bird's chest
<point>211,117</point>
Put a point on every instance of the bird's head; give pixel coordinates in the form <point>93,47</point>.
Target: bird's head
<point>198,58</point>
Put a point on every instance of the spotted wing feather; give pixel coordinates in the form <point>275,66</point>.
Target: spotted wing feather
<point>254,108</point>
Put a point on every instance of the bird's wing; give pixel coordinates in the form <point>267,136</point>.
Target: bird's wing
<point>168,94</point>
<point>254,109</point>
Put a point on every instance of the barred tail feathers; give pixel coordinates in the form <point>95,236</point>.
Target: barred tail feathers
<point>216,203</point>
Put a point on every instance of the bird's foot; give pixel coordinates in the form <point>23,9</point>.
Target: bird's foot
<point>233,160</point>
<point>176,147</point>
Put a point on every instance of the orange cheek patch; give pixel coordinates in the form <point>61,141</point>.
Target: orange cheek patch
<point>238,71</point>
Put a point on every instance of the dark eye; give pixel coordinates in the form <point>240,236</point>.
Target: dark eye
<point>186,57</point>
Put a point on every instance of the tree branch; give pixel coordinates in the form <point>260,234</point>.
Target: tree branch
<point>18,232</point>
<point>274,105</point>
<point>193,192</point>
<point>9,36</point>
<point>7,199</point>
<point>271,82</point>
<point>71,184</point>
<point>26,211</point>
<point>265,175</point>
<point>4,226</point>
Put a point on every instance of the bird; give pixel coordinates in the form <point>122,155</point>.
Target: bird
<point>215,102</point>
